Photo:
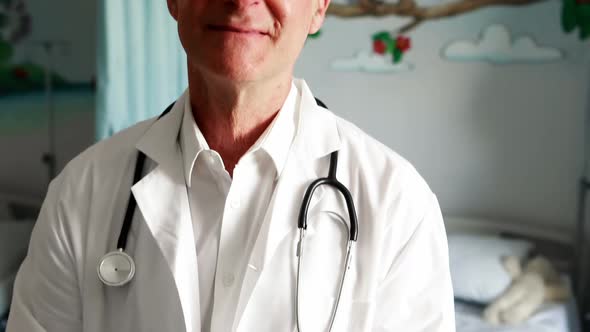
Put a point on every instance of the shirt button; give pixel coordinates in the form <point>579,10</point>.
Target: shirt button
<point>228,279</point>
<point>235,203</point>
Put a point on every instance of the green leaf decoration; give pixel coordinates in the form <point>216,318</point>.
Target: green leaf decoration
<point>568,16</point>
<point>390,46</point>
<point>397,55</point>
<point>584,30</point>
<point>583,20</point>
<point>382,35</point>
<point>5,51</point>
<point>582,13</point>
<point>315,35</point>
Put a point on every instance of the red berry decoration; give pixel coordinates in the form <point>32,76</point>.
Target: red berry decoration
<point>386,43</point>
<point>379,47</point>
<point>20,73</point>
<point>403,43</point>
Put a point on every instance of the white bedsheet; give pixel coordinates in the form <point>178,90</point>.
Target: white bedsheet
<point>552,318</point>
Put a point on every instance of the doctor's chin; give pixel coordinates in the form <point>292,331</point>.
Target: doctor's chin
<point>295,165</point>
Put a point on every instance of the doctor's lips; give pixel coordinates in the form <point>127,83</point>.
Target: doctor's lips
<point>236,29</point>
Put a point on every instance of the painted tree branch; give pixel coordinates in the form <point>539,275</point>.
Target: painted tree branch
<point>408,8</point>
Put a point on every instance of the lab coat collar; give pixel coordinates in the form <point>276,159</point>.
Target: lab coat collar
<point>162,198</point>
<point>317,136</point>
<point>160,141</point>
<point>192,141</point>
<point>317,132</point>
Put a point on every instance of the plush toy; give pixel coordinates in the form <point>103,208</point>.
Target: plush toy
<point>534,283</point>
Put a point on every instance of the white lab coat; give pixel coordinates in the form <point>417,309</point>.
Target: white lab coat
<point>399,279</point>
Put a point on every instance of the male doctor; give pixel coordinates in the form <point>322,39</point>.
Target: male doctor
<point>214,235</point>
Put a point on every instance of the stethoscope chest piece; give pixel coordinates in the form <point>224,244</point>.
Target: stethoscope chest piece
<point>116,268</point>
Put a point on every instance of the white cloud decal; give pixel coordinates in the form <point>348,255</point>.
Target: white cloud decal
<point>370,62</point>
<point>496,46</point>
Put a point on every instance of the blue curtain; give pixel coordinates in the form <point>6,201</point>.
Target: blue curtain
<point>141,64</point>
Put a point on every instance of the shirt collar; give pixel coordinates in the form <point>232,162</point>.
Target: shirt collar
<point>277,138</point>
<point>192,141</point>
<point>275,141</point>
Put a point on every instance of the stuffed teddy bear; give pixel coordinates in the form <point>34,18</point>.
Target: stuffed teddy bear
<point>533,283</point>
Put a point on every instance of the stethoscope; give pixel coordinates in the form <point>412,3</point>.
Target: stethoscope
<point>117,268</point>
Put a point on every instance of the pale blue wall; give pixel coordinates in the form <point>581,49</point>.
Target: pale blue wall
<point>497,141</point>
<point>24,137</point>
<point>503,141</point>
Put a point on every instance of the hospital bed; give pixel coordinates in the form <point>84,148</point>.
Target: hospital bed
<point>17,216</point>
<point>554,244</point>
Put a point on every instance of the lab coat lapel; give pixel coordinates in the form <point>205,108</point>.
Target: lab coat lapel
<point>162,199</point>
<point>317,137</point>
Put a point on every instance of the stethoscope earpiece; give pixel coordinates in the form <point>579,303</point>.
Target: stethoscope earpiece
<point>116,268</point>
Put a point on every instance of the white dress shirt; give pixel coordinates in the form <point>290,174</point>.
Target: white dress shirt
<point>227,213</point>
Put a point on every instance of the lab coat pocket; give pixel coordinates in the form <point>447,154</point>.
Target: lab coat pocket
<point>351,316</point>
<point>315,314</point>
<point>354,316</point>
<point>324,255</point>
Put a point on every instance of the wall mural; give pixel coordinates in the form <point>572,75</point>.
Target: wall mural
<point>575,13</point>
<point>21,75</point>
<point>385,57</point>
<point>46,87</point>
<point>36,52</point>
<point>496,43</point>
<point>486,98</point>
<point>497,46</point>
<point>371,62</point>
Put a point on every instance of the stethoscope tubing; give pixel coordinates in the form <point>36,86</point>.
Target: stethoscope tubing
<point>131,205</point>
<point>347,260</point>
<point>331,181</point>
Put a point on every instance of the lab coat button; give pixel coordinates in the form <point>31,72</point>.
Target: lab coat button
<point>228,279</point>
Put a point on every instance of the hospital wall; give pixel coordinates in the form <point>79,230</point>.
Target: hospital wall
<point>70,27</point>
<point>24,137</point>
<point>493,140</point>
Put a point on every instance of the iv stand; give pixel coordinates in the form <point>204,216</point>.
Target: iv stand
<point>49,157</point>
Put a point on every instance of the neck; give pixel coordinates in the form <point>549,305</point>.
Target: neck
<point>232,116</point>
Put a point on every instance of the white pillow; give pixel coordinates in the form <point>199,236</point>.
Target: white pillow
<point>476,265</point>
